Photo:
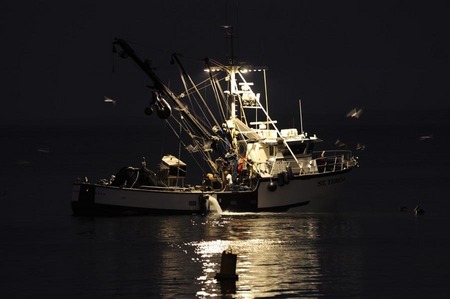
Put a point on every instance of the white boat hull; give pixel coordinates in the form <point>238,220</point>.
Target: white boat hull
<point>308,194</point>
<point>93,199</point>
<point>314,193</point>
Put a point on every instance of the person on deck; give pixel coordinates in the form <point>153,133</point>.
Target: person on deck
<point>229,180</point>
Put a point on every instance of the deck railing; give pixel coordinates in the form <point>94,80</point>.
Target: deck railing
<point>333,160</point>
<point>319,162</point>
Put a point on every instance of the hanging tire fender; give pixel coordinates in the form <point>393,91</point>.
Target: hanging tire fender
<point>272,186</point>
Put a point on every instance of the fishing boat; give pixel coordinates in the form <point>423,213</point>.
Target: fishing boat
<point>252,165</point>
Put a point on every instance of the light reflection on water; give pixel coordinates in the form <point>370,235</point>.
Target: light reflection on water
<point>275,255</point>
<point>278,255</point>
<point>287,255</point>
<point>284,255</point>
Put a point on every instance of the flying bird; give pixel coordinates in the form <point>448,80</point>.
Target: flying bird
<point>23,162</point>
<point>108,100</point>
<point>339,143</point>
<point>355,113</point>
<point>426,137</point>
<point>44,150</point>
<point>360,147</point>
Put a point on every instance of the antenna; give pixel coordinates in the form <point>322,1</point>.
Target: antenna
<point>229,35</point>
<point>301,116</point>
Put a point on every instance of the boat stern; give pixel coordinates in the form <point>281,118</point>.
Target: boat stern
<point>83,198</point>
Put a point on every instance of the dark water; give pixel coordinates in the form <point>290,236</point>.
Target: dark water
<point>369,249</point>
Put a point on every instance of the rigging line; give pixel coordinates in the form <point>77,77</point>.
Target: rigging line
<point>174,131</point>
<point>241,108</point>
<point>191,58</point>
<point>164,135</point>
<point>220,106</point>
<point>196,141</point>
<point>220,98</point>
<point>197,123</point>
<point>217,63</point>
<point>199,85</point>
<point>184,73</point>
<point>204,154</point>
<point>266,95</point>
<point>137,176</point>
<point>179,156</point>
<point>205,117</point>
<point>216,97</point>
<point>269,119</point>
<point>215,85</point>
<point>187,128</point>
<point>192,96</point>
<point>184,144</point>
<point>199,127</point>
<point>185,89</point>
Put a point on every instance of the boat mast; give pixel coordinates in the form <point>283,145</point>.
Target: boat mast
<point>232,69</point>
<point>301,116</point>
<point>267,97</point>
<point>230,36</point>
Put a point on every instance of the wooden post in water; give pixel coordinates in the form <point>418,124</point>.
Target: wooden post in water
<point>227,266</point>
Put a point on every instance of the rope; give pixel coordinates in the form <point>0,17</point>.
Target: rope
<point>137,176</point>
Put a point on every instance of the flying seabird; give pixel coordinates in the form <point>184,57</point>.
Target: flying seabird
<point>339,143</point>
<point>360,147</point>
<point>44,150</point>
<point>108,100</point>
<point>355,113</point>
<point>426,137</point>
<point>418,210</point>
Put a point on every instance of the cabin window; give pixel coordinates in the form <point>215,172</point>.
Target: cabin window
<point>299,148</point>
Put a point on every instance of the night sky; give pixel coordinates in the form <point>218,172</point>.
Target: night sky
<point>56,56</point>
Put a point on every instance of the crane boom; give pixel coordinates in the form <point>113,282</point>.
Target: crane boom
<point>163,89</point>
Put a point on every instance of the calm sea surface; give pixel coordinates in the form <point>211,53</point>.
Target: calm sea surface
<point>368,249</point>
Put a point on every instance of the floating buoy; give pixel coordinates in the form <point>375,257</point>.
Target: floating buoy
<point>227,266</point>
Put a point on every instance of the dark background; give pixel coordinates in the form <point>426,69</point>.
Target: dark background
<point>389,57</point>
